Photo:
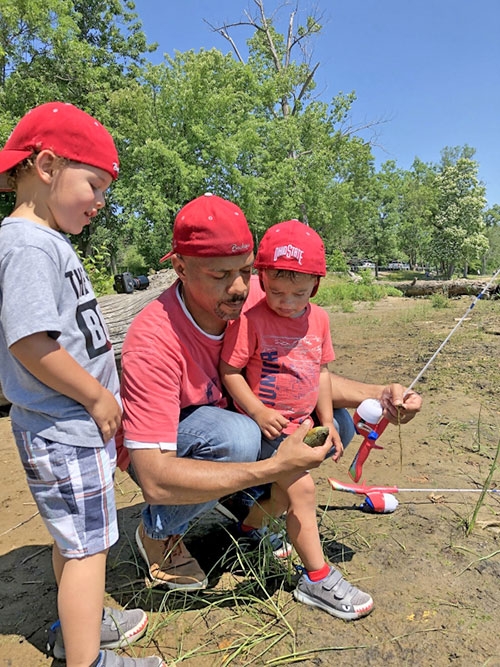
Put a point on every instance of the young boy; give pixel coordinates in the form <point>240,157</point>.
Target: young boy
<point>57,368</point>
<point>275,366</point>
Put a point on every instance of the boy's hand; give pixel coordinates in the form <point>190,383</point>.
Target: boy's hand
<point>106,412</point>
<point>294,455</point>
<point>270,422</point>
<point>336,442</point>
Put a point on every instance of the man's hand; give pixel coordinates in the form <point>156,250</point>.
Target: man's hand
<point>294,455</point>
<point>400,404</point>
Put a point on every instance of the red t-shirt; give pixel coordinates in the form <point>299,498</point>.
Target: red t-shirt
<point>169,363</point>
<point>281,357</point>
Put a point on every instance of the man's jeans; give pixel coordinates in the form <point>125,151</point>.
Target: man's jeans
<point>212,434</point>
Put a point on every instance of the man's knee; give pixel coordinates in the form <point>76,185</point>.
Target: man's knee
<point>244,437</point>
<point>344,425</point>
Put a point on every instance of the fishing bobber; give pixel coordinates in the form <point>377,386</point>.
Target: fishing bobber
<point>377,502</point>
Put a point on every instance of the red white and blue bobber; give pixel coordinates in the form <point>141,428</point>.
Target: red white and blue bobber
<point>377,502</point>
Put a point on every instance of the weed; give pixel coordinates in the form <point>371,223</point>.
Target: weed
<point>440,301</point>
<point>486,486</point>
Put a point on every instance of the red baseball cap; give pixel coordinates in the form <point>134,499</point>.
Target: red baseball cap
<point>210,226</point>
<point>63,128</point>
<point>292,246</point>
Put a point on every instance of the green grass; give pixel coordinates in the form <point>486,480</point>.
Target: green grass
<point>334,291</point>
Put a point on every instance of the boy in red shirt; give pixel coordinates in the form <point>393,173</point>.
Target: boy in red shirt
<point>275,366</point>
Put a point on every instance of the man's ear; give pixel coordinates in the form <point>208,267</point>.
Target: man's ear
<point>179,266</point>
<point>45,165</point>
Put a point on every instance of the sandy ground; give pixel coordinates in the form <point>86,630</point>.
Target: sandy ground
<point>436,589</point>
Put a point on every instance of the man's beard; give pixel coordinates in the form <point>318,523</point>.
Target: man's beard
<point>233,314</point>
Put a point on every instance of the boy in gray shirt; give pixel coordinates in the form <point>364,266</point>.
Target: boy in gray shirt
<point>57,368</point>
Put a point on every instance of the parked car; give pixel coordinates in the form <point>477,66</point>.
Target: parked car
<point>398,266</point>
<point>367,265</point>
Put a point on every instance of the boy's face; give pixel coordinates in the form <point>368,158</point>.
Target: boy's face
<point>288,297</point>
<point>76,194</point>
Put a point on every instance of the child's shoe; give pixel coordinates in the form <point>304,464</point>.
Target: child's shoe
<point>334,595</point>
<point>119,628</point>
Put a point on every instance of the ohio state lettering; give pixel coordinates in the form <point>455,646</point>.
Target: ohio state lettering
<point>289,252</point>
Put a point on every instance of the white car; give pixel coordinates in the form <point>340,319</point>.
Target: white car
<point>367,265</point>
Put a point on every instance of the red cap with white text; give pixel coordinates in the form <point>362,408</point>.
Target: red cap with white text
<point>64,129</point>
<point>210,226</point>
<point>292,246</point>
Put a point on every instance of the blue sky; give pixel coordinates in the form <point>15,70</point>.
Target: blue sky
<point>428,70</point>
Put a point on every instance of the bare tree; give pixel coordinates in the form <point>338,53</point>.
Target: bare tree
<point>281,57</point>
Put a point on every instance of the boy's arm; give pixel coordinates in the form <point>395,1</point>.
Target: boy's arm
<point>324,409</point>
<point>271,422</point>
<point>50,363</point>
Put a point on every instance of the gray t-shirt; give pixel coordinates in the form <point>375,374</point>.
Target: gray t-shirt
<point>44,287</point>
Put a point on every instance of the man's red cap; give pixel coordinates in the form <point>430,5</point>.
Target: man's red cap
<point>292,246</point>
<point>64,129</point>
<point>210,226</point>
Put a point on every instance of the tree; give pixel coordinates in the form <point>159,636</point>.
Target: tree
<point>81,52</point>
<point>491,259</point>
<point>458,235</point>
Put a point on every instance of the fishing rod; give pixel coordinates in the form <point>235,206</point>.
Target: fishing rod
<point>379,499</point>
<point>368,419</point>
<point>367,489</point>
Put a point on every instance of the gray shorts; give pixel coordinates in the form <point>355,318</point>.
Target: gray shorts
<point>73,490</point>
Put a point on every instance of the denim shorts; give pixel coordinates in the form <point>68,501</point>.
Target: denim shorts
<point>73,489</point>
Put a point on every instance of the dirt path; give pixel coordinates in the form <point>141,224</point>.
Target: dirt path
<point>436,590</point>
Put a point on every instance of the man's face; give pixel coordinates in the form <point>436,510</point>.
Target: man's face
<point>214,288</point>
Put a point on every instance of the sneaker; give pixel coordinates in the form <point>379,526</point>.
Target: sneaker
<point>334,595</point>
<point>169,562</point>
<point>110,659</point>
<point>119,628</point>
<point>253,539</point>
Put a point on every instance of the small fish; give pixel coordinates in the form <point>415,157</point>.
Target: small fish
<point>317,436</point>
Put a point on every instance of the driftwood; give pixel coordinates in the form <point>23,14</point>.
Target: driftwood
<point>120,309</point>
<point>446,287</point>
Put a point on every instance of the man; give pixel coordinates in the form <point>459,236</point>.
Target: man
<point>187,451</point>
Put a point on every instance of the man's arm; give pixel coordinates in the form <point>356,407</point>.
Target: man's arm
<point>347,393</point>
<point>166,479</point>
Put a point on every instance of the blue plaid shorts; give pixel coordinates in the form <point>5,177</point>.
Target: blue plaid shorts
<point>73,489</point>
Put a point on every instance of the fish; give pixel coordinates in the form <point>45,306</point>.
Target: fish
<point>317,436</point>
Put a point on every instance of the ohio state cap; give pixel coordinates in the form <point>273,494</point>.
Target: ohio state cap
<point>64,129</point>
<point>292,246</point>
<point>210,226</point>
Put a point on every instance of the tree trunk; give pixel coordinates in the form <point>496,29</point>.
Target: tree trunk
<point>448,287</point>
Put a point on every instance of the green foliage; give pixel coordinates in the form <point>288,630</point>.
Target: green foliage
<point>458,235</point>
<point>440,301</point>
<point>131,260</point>
<point>336,262</point>
<point>96,265</point>
<point>345,292</point>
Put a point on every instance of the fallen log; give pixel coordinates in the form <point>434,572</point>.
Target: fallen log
<point>447,287</point>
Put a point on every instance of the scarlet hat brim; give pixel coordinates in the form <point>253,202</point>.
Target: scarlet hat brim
<point>8,160</point>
